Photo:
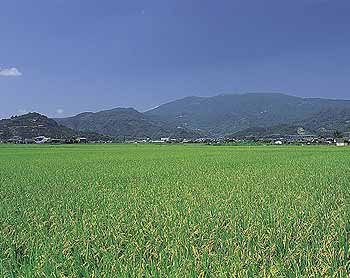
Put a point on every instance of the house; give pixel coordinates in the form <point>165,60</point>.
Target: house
<point>15,140</point>
<point>329,141</point>
<point>69,141</point>
<point>278,142</point>
<point>157,141</point>
<point>340,142</point>
<point>82,140</point>
<point>41,140</point>
<point>29,141</point>
<point>165,139</point>
<point>57,141</point>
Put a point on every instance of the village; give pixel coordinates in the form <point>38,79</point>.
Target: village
<point>277,139</point>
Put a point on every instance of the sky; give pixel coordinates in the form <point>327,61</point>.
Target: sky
<point>63,57</point>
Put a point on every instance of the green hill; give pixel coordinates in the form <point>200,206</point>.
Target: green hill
<point>124,123</point>
<point>31,125</point>
<point>229,114</point>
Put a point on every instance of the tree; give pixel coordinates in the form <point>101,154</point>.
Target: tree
<point>337,134</point>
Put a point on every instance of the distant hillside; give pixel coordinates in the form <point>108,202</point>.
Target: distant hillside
<point>194,117</point>
<point>31,125</point>
<point>266,131</point>
<point>124,123</point>
<point>229,114</point>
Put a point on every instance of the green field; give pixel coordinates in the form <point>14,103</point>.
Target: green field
<point>174,211</point>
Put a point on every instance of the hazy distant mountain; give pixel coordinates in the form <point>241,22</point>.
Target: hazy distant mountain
<point>124,123</point>
<point>228,114</point>
<point>31,125</point>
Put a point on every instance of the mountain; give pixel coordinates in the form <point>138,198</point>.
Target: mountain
<point>32,125</point>
<point>193,117</point>
<point>124,123</point>
<point>229,114</point>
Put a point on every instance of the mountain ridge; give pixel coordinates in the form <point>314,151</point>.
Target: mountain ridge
<point>217,116</point>
<point>231,113</point>
<point>124,123</point>
<point>31,125</point>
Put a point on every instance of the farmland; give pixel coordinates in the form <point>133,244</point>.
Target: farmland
<point>174,211</point>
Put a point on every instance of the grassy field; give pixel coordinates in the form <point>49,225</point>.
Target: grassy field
<point>174,211</point>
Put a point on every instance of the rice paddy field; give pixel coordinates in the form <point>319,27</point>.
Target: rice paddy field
<point>174,211</point>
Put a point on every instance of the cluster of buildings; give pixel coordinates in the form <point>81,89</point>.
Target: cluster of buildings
<point>45,140</point>
<point>169,140</point>
<point>267,140</point>
<point>301,139</point>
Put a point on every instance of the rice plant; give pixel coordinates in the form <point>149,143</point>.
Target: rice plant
<point>174,211</point>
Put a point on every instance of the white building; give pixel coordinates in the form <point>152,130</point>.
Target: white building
<point>41,140</point>
<point>341,143</point>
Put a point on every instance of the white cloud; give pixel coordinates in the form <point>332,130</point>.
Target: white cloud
<point>10,72</point>
<point>59,111</point>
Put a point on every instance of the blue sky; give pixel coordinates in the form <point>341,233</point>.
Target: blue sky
<point>62,57</point>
